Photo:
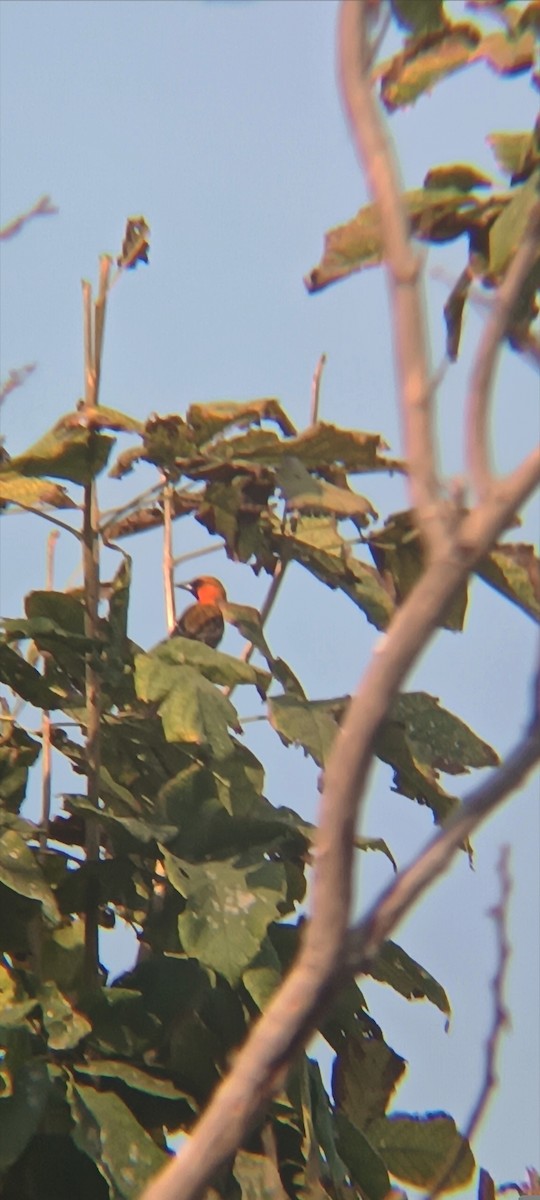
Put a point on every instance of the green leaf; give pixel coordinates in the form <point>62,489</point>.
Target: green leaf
<point>258,1177</point>
<point>248,622</point>
<point>394,966</point>
<point>16,488</point>
<point>398,553</point>
<point>18,752</point>
<point>62,954</point>
<point>507,53</point>
<point>121,1023</point>
<point>367,843</point>
<point>419,16</point>
<point>457,175</point>
<point>517,154</point>
<point>437,737</point>
<point>418,1149</point>
<point>365,1074</point>
<point>69,451</point>
<point>303,723</point>
<point>366,1167</point>
<point>193,711</point>
<point>167,657</point>
<point>135,1078</point>
<point>304,493</point>
<point>436,215</point>
<point>107,1131</point>
<point>229,906</point>
<point>316,543</point>
<point>453,313</point>
<point>514,571</point>
<point>507,232</point>
<point>426,60</point>
<point>28,683</point>
<point>19,870</point>
<point>15,1006</point>
<point>209,419</point>
<point>64,1025</point>
<point>111,418</point>
<point>263,976</point>
<point>23,1110</point>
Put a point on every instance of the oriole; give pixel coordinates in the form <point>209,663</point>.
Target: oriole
<point>203,621</point>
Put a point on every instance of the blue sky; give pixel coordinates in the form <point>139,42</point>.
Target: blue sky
<point>220,121</point>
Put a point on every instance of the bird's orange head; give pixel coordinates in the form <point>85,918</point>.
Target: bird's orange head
<point>206,589</point>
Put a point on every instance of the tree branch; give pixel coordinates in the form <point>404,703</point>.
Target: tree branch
<point>403,265</point>
<point>93,324</point>
<point>42,208</point>
<point>168,559</point>
<point>480,391</point>
<point>316,390</point>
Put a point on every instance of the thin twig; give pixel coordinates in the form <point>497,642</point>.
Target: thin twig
<point>500,1021</point>
<point>482,375</point>
<point>42,208</point>
<point>93,323</point>
<point>46,718</point>
<point>316,390</point>
<point>403,266</point>
<point>27,508</point>
<point>110,516</point>
<point>168,561</point>
<point>16,378</point>
<point>182,558</point>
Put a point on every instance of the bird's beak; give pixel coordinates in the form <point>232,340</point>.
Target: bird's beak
<point>186,587</point>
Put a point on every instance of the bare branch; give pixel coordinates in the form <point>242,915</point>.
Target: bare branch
<point>316,390</point>
<point>403,263</point>
<point>93,325</point>
<point>480,391</point>
<point>168,560</point>
<point>42,208</point>
<point>200,553</point>
<point>16,378</point>
<point>38,512</point>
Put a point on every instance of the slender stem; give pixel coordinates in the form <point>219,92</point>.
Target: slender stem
<point>403,265</point>
<point>168,560</point>
<point>47,517</point>
<point>16,378</point>
<point>316,390</point>
<point>182,558</point>
<point>93,322</point>
<point>88,343</point>
<point>42,208</point>
<point>105,264</point>
<point>46,719</point>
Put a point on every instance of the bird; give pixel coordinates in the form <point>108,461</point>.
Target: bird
<point>203,621</point>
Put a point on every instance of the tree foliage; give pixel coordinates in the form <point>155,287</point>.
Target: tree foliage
<point>191,854</point>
